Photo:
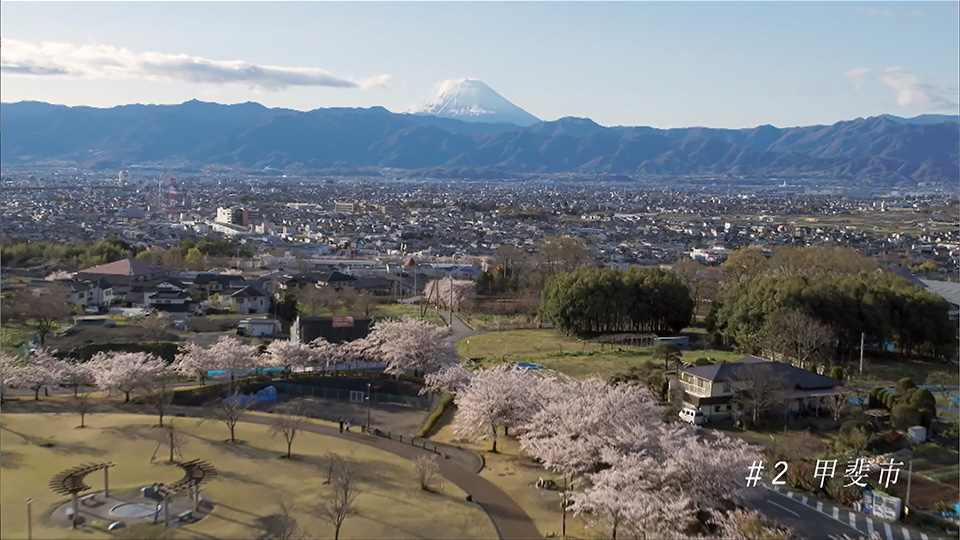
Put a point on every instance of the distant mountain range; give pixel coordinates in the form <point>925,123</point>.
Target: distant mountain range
<point>883,150</point>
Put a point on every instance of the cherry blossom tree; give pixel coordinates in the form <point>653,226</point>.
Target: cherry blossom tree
<point>194,361</point>
<point>630,495</point>
<point>581,419</point>
<point>35,372</point>
<point>458,293</point>
<point>126,371</point>
<point>287,354</point>
<point>752,525</point>
<point>410,345</point>
<point>449,379</point>
<point>500,397</point>
<point>74,374</point>
<point>6,362</point>
<point>233,355</point>
<point>324,352</point>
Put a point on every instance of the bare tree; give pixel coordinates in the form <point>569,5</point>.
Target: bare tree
<point>688,270</point>
<point>333,462</point>
<point>160,394</point>
<point>860,386</point>
<point>288,422</point>
<point>231,409</point>
<point>340,505</point>
<point>799,337</point>
<point>42,310</point>
<point>82,405</point>
<point>942,381</point>
<point>839,402</point>
<point>426,468</point>
<point>759,388</point>
<point>154,327</point>
<point>281,525</point>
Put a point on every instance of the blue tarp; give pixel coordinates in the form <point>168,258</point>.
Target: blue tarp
<point>267,394</point>
<point>525,365</point>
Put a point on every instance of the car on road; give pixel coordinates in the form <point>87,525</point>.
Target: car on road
<point>692,416</point>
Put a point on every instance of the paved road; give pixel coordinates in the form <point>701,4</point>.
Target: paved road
<point>818,520</point>
<point>511,522</point>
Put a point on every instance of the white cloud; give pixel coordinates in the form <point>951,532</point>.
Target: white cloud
<point>913,93</point>
<point>857,77</point>
<point>108,62</point>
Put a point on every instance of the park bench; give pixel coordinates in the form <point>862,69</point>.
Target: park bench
<point>185,515</point>
<point>89,500</point>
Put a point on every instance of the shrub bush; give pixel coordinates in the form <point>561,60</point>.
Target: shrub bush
<point>836,372</point>
<point>904,385</point>
<point>904,416</point>
<point>851,425</point>
<point>428,426</point>
<point>164,349</point>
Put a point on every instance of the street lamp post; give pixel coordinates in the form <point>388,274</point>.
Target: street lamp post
<point>369,387</point>
<point>29,519</point>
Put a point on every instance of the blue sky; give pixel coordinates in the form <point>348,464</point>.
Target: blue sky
<point>665,64</point>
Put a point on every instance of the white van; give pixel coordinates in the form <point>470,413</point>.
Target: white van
<point>692,416</point>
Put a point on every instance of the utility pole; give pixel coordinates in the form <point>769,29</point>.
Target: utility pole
<point>906,501</point>
<point>451,298</point>
<point>862,335</point>
<point>369,387</point>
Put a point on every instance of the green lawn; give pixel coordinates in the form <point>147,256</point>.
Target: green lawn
<point>571,356</point>
<point>13,335</point>
<point>251,484</point>
<point>889,370</point>
<point>489,321</point>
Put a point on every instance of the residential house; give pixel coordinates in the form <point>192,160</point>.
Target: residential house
<point>131,269</point>
<point>249,299</point>
<point>712,388</point>
<point>169,299</point>
<point>212,284</point>
<point>377,285</point>
<point>335,280</point>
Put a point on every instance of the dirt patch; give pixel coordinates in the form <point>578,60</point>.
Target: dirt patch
<point>924,493</point>
<point>81,335</point>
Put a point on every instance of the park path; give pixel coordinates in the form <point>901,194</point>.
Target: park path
<point>511,522</point>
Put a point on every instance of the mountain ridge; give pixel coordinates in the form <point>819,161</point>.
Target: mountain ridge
<point>878,150</point>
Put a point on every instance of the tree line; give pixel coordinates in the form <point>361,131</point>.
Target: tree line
<point>20,252</point>
<point>604,300</point>
<point>187,254</point>
<point>832,292</point>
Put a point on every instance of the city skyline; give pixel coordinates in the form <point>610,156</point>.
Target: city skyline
<point>649,63</point>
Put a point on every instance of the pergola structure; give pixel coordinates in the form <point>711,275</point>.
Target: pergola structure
<point>195,473</point>
<point>629,340</point>
<point>70,482</point>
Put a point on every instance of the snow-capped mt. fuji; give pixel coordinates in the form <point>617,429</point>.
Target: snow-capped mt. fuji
<point>472,101</point>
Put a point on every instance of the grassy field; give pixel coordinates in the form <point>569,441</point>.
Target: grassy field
<point>889,370</point>
<point>404,311</point>
<point>13,335</point>
<point>568,355</point>
<point>252,481</point>
<point>489,321</point>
